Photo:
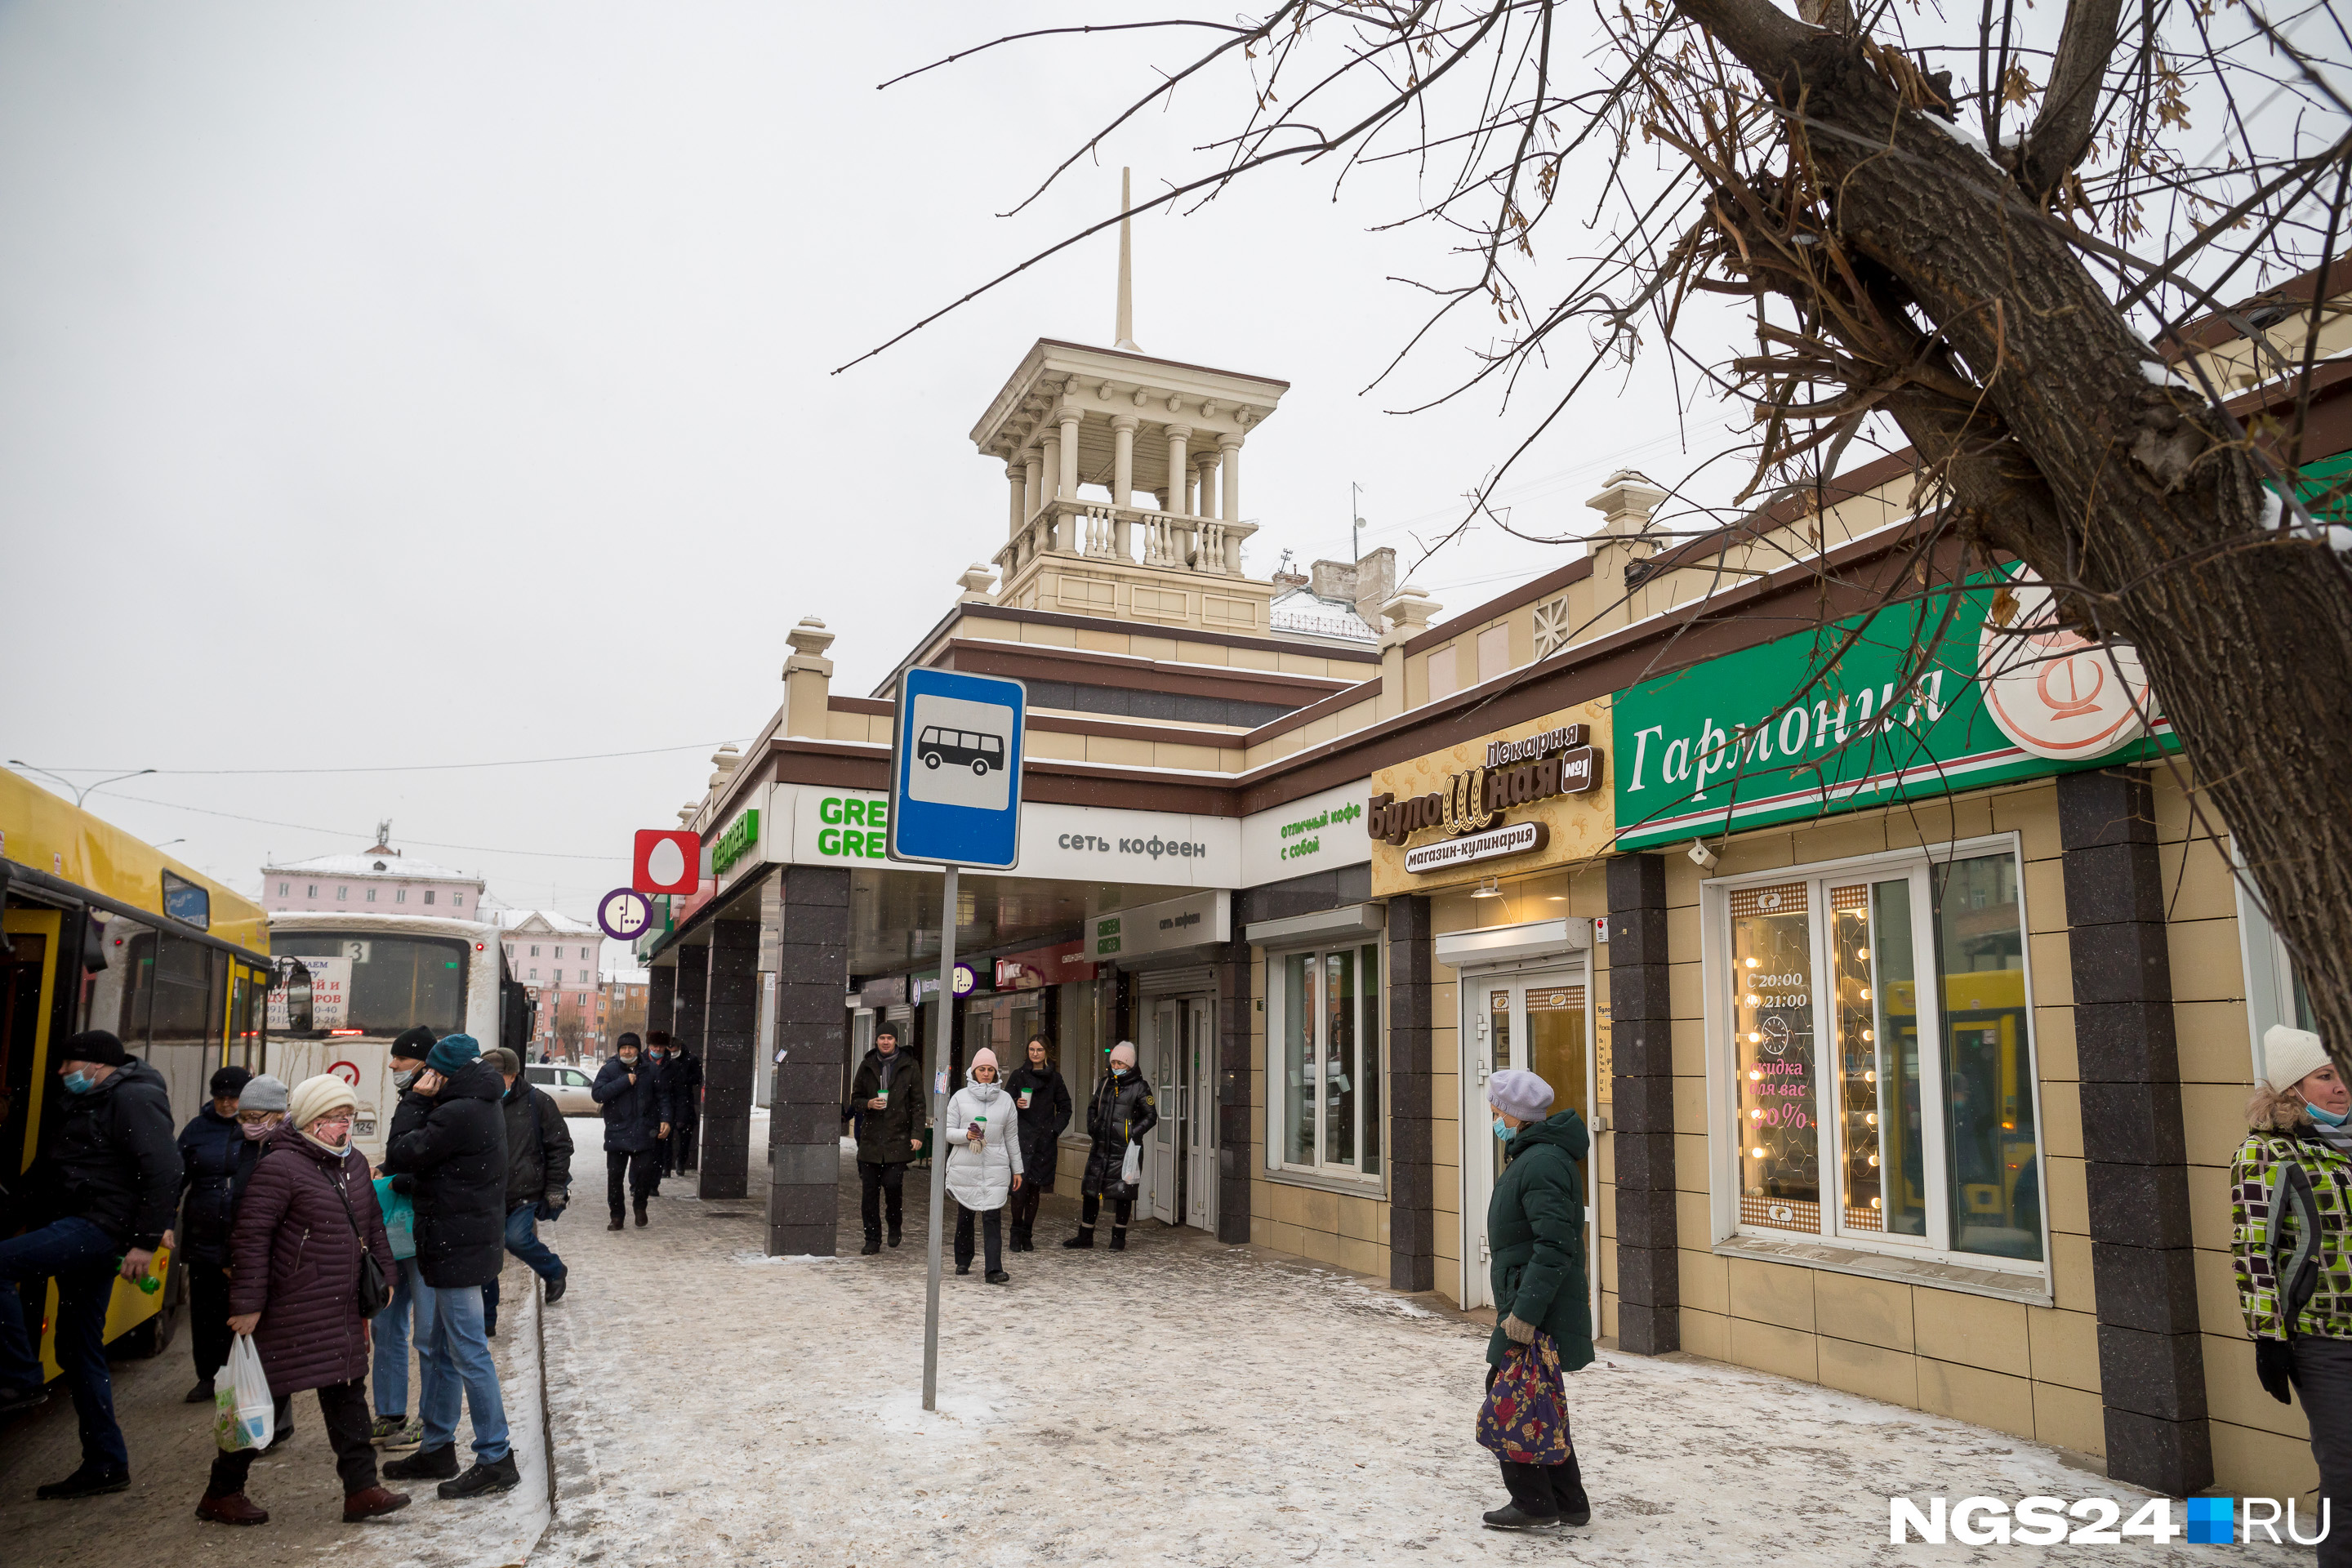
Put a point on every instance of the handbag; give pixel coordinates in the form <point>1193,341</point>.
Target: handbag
<point>375,1295</point>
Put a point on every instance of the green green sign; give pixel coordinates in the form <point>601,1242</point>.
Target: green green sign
<point>741,835</point>
<point>1911,701</point>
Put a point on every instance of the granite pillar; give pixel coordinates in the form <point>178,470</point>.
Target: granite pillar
<point>1412,1215</point>
<point>1234,1149</point>
<point>730,1020</point>
<point>2143,1267</point>
<point>812,1032</point>
<point>1642,1108</point>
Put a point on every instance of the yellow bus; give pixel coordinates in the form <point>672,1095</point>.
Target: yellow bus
<point>98,931</point>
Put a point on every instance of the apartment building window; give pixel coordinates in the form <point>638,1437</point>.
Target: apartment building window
<point>429,895</point>
<point>342,892</point>
<point>534,974</point>
<point>534,950</point>
<point>1882,1088</point>
<point>400,895</point>
<point>370,895</point>
<point>457,900</point>
<point>1323,1034</point>
<point>313,893</point>
<point>282,889</point>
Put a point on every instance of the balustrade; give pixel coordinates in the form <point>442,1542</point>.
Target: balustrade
<point>1098,531</point>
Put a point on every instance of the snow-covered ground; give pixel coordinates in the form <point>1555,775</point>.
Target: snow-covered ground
<point>1183,1401</point>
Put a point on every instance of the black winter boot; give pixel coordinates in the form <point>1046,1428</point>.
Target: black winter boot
<point>88,1480</point>
<point>1020,1239</point>
<point>1531,1505</point>
<point>1118,1238</point>
<point>425,1465</point>
<point>1085,1238</point>
<point>1568,1491</point>
<point>873,1245</point>
<point>486,1479</point>
<point>894,1236</point>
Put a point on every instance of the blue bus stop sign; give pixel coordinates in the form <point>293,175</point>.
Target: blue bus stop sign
<point>955,772</point>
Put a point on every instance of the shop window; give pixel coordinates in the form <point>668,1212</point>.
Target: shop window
<point>1870,1108</point>
<point>1324,1029</point>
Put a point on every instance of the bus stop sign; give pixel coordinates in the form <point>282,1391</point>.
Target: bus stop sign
<point>955,772</point>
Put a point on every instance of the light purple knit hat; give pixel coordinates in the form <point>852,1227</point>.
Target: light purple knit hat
<point>1519,1094</point>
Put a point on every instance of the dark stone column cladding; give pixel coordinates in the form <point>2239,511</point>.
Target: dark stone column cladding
<point>2142,1267</point>
<point>1305,895</point>
<point>661,1000</point>
<point>1412,1212</point>
<point>812,1031</point>
<point>1642,1106</point>
<point>730,1017</point>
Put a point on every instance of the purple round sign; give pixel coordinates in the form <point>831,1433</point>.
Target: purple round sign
<point>625,913</point>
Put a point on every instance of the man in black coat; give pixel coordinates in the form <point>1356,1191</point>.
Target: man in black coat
<point>539,1178</point>
<point>448,1140</point>
<point>636,1119</point>
<point>104,1191</point>
<point>211,1146</point>
<point>886,1098</point>
<point>684,1071</point>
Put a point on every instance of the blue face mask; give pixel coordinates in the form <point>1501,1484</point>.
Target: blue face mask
<point>1501,1131</point>
<point>79,1083</point>
<point>2324,1118</point>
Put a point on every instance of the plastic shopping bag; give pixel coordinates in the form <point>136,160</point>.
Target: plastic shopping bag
<point>244,1412</point>
<point>1130,1170</point>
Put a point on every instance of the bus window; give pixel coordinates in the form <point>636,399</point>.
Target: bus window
<point>181,1011</point>
<point>131,966</point>
<point>397,981</point>
<point>186,902</point>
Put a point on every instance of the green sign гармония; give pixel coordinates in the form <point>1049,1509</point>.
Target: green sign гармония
<point>1953,692</point>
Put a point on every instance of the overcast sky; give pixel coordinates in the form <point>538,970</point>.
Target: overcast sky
<point>386,386</point>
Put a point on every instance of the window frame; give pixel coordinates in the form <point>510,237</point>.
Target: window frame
<point>2269,978</point>
<point>1350,1178</point>
<point>1724,1150</point>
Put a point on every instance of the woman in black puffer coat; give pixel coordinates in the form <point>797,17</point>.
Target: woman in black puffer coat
<point>1121,1113</point>
<point>1043,1103</point>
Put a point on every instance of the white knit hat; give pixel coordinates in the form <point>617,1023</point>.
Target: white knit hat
<point>316,1097</point>
<point>2290,1055</point>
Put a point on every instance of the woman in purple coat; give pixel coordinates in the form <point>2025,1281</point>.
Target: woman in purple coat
<point>301,1222</point>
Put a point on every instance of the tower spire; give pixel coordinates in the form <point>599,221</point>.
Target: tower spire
<point>1126,338</point>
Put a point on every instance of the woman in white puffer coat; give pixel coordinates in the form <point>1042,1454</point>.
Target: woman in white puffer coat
<point>983,1136</point>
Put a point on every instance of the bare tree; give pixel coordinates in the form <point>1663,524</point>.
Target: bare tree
<point>1996,241</point>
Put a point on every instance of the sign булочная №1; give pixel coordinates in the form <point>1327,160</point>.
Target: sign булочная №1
<point>1547,774</point>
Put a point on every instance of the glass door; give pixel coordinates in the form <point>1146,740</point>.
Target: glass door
<point>1539,1022</point>
<point>1165,1070</point>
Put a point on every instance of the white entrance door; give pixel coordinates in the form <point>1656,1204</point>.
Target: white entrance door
<point>1177,1157</point>
<point>1539,1021</point>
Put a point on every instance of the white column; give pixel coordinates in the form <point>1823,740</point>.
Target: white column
<point>1018,477</point>
<point>1033,477</point>
<point>1122,480</point>
<point>1229,446</point>
<point>1180,474</point>
<point>1051,443</point>
<point>1067,489</point>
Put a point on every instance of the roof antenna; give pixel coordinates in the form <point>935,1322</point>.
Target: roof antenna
<point>1125,339</point>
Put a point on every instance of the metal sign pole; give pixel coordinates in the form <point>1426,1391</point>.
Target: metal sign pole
<point>939,1143</point>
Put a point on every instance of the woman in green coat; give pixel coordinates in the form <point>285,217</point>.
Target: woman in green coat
<point>1543,1329</point>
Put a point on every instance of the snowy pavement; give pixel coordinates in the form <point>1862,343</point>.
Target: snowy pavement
<point>1184,1402</point>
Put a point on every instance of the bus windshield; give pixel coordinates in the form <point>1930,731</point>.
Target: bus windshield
<point>385,982</point>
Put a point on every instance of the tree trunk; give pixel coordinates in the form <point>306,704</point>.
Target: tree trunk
<point>2146,515</point>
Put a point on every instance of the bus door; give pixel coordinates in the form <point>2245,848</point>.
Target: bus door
<point>27,981</point>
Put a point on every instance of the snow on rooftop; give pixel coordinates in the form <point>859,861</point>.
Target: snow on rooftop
<point>376,863</point>
<point>1302,610</point>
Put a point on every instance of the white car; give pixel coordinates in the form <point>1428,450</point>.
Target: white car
<point>568,1085</point>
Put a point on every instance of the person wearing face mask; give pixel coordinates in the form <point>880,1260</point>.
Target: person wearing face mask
<point>1042,1100</point>
<point>303,1222</point>
<point>636,1119</point>
<point>210,1145</point>
<point>1121,1113</point>
<point>2291,1248</point>
<point>1543,1326</point>
<point>983,1144</point>
<point>103,1189</point>
<point>410,1317</point>
<point>684,1100</point>
<point>663,1069</point>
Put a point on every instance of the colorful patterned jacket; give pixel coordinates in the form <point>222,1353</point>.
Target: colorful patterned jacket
<point>2267,1225</point>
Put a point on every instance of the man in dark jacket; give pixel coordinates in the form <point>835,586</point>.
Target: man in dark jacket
<point>539,1178</point>
<point>685,1073</point>
<point>210,1146</point>
<point>106,1187</point>
<point>636,1119</point>
<point>449,1139</point>
<point>664,1076</point>
<point>886,1098</point>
